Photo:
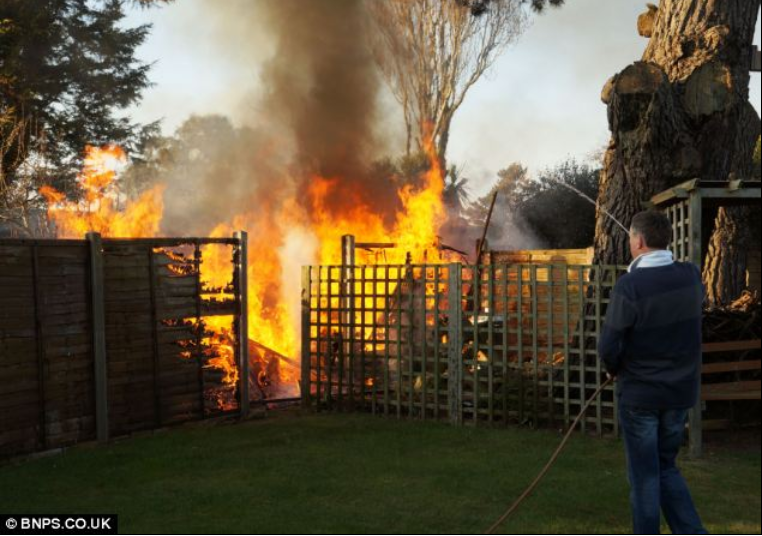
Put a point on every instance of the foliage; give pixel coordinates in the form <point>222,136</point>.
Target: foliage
<point>358,474</point>
<point>479,7</point>
<point>544,212</point>
<point>67,70</point>
<point>758,160</point>
<point>456,193</point>
<point>560,216</point>
<point>207,162</point>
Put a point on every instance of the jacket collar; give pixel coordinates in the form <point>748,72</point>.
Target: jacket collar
<point>653,259</point>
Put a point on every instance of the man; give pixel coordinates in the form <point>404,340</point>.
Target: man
<point>651,343</point>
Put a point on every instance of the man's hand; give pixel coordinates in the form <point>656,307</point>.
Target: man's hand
<point>610,377</point>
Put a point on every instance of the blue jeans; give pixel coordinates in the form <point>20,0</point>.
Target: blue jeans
<point>653,440</point>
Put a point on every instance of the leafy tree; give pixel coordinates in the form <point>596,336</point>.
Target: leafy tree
<point>556,211</point>
<point>456,193</point>
<point>512,187</point>
<point>208,162</point>
<point>411,167</point>
<point>544,212</point>
<point>514,182</point>
<point>507,230</point>
<point>758,160</point>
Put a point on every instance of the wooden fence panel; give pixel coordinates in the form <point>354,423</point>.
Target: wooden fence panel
<point>45,348</point>
<point>158,354</point>
<point>129,338</point>
<point>65,344</point>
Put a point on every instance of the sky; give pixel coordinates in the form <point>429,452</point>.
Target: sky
<point>539,105</point>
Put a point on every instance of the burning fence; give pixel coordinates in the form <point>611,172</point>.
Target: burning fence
<point>104,210</point>
<point>319,219</point>
<point>105,337</point>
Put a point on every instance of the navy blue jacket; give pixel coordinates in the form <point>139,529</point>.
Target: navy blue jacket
<point>652,337</point>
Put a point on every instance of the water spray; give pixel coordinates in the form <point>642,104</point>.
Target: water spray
<point>586,197</point>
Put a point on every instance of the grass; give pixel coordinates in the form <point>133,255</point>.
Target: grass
<point>361,474</point>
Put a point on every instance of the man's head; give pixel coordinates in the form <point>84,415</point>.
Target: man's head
<point>650,231</point>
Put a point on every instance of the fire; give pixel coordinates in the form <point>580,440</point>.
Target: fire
<point>423,215</point>
<point>221,342</point>
<point>98,209</point>
<point>415,231</point>
<point>273,297</point>
<point>270,323</point>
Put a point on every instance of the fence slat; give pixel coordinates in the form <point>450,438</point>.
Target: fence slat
<point>411,340</point>
<point>155,336</point>
<point>242,337</point>
<point>535,346</point>
<point>40,346</point>
<point>99,336</point>
<point>455,356</point>
<point>520,371</point>
<point>506,342</point>
<point>567,348</point>
<point>387,338</point>
<point>305,385</point>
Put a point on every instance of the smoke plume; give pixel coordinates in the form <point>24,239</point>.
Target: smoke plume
<point>313,111</point>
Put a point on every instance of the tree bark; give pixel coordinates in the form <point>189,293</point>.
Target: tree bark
<point>682,113</point>
<point>726,276</point>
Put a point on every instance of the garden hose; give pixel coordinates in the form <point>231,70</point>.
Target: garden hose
<point>552,461</point>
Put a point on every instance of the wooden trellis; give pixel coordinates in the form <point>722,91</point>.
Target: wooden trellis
<point>495,344</point>
<point>687,206</point>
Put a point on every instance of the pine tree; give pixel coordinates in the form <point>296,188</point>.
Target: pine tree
<point>67,68</point>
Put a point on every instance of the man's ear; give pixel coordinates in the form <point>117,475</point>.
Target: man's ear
<point>638,242</point>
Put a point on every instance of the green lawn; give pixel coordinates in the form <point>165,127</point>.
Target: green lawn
<point>361,474</point>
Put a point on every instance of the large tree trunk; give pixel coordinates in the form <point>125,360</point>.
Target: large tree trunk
<point>725,275</point>
<point>682,113</point>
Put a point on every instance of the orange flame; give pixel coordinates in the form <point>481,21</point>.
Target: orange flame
<point>415,231</point>
<point>273,296</point>
<point>98,209</point>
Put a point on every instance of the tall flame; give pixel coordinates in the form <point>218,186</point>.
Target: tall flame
<point>415,231</point>
<point>273,318</point>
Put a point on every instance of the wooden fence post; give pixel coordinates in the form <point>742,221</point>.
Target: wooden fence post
<point>455,350</point>
<point>306,329</point>
<point>155,336</point>
<point>39,336</point>
<point>98,311</point>
<point>243,322</point>
<point>696,425</point>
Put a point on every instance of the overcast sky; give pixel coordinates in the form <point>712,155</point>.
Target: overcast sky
<point>539,105</point>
